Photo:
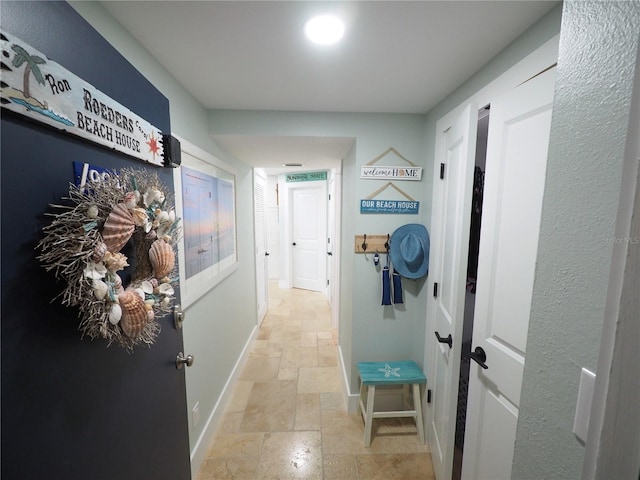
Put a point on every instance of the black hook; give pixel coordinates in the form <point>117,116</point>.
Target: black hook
<point>386,244</point>
<point>364,243</point>
<point>448,340</point>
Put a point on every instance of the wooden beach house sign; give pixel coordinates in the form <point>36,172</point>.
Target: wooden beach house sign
<point>38,88</point>
<point>372,205</point>
<point>375,172</point>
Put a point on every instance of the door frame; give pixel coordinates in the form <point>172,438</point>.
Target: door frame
<point>537,61</point>
<point>334,211</point>
<point>617,386</point>
<point>286,231</point>
<point>260,244</point>
<point>466,123</point>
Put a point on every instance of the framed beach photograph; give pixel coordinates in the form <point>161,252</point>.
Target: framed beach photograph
<point>205,190</point>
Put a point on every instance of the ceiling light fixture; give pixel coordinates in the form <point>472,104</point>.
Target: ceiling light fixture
<point>324,30</point>
<point>291,164</point>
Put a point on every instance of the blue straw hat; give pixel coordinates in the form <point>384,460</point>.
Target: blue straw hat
<point>409,250</point>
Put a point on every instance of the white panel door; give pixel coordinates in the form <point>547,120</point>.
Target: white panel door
<point>514,185</point>
<point>450,234</point>
<point>262,276</point>
<point>309,237</point>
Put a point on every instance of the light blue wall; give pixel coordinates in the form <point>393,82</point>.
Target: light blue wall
<point>220,323</point>
<point>589,129</point>
<point>376,332</point>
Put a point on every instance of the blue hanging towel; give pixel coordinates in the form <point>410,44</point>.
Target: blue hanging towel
<point>386,284</point>
<point>397,287</point>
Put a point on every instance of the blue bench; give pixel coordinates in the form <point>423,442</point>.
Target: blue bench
<point>405,374</point>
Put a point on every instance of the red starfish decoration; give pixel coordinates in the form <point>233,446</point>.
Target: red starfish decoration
<point>153,145</point>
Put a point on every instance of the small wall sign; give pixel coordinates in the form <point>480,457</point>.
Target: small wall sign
<point>38,88</point>
<point>84,173</point>
<point>306,177</point>
<point>389,206</point>
<point>372,172</point>
<point>390,173</point>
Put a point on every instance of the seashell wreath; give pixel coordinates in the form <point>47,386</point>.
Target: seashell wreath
<point>82,246</point>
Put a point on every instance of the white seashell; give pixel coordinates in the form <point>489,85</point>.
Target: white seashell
<point>159,196</point>
<point>130,200</point>
<point>166,289</point>
<point>149,303</point>
<point>165,302</point>
<point>115,314</point>
<point>100,289</point>
<point>150,315</point>
<point>172,216</point>
<point>140,217</point>
<point>138,291</point>
<point>92,211</point>
<point>163,217</point>
<point>117,281</point>
<point>147,286</point>
<point>149,196</point>
<point>95,271</point>
<point>163,230</point>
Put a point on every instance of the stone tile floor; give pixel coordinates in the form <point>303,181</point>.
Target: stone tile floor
<point>287,418</point>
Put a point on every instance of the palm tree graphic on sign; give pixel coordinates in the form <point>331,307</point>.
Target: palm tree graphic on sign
<point>32,62</point>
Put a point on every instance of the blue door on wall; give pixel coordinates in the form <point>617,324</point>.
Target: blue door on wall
<point>74,408</point>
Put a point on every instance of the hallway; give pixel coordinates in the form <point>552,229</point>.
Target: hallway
<point>287,418</point>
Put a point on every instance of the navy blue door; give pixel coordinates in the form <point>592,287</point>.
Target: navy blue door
<point>73,408</point>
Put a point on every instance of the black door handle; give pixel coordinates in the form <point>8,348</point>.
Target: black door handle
<point>294,244</point>
<point>266,254</point>
<point>479,356</point>
<point>448,340</point>
<point>329,253</point>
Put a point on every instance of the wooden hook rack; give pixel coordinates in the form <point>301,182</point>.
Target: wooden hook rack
<point>373,243</point>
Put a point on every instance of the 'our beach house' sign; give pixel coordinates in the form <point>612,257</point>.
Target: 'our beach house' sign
<point>36,87</point>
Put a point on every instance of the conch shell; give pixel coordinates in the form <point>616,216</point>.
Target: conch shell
<point>118,228</point>
<point>162,258</point>
<point>98,251</point>
<point>134,313</point>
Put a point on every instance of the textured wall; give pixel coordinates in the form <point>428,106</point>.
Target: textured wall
<point>598,46</point>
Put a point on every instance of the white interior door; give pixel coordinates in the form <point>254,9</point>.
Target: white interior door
<point>309,237</point>
<point>262,275</point>
<point>450,234</point>
<point>514,183</point>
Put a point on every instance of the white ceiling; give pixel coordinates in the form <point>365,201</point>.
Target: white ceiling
<point>395,57</point>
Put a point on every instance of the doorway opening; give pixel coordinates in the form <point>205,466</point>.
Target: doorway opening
<point>297,236</point>
<point>470,295</point>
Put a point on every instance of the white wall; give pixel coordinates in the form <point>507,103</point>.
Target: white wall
<point>218,326</point>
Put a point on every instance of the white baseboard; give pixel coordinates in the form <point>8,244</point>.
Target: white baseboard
<point>199,450</point>
<point>350,399</point>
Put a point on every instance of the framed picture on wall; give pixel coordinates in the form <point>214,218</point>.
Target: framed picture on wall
<point>206,202</point>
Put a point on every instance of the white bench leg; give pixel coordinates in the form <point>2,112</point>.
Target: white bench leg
<point>369,415</point>
<point>417,404</point>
